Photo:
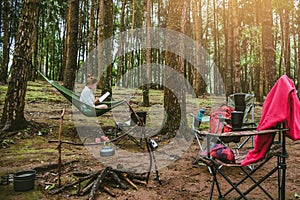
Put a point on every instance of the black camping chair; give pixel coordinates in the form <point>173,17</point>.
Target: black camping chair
<point>130,130</point>
<point>243,102</point>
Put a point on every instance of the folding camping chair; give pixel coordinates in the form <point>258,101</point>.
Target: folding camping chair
<point>236,102</point>
<point>130,130</point>
<point>196,122</point>
<point>243,102</point>
<point>218,166</point>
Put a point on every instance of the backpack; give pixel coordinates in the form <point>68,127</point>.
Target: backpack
<point>216,126</point>
<point>223,153</point>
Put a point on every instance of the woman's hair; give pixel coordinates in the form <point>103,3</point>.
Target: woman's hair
<point>91,80</point>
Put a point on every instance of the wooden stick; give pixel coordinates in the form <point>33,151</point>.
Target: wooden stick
<point>88,187</point>
<point>98,182</point>
<point>111,193</point>
<point>139,182</point>
<point>72,184</point>
<point>88,144</point>
<point>118,180</point>
<point>48,167</point>
<point>134,175</point>
<point>129,181</point>
<point>59,146</point>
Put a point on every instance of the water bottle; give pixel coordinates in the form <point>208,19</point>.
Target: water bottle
<point>200,114</point>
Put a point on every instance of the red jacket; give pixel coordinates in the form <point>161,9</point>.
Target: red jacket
<point>281,105</point>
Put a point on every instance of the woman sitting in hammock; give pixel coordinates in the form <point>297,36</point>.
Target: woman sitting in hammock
<point>87,95</point>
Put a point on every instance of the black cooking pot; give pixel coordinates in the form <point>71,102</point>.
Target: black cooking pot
<point>24,180</point>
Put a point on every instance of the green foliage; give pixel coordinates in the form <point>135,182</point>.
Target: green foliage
<point>5,143</point>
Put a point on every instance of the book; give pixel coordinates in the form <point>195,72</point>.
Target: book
<point>103,97</point>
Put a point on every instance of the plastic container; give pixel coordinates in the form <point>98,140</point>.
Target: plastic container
<point>24,180</point>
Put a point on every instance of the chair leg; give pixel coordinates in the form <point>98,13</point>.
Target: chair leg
<point>213,172</point>
<point>259,182</point>
<point>256,183</point>
<point>232,185</point>
<point>281,178</point>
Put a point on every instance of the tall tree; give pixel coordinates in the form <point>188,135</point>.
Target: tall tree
<point>287,39</point>
<point>172,102</point>
<point>236,46</point>
<point>147,75</point>
<point>89,67</point>
<point>257,68</point>
<point>197,15</point>
<point>228,29</point>
<point>13,112</point>
<point>105,48</point>
<point>298,23</point>
<point>268,48</point>
<point>72,44</point>
<point>121,44</point>
<point>5,58</point>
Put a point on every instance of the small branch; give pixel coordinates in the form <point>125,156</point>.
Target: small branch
<point>118,180</point>
<point>129,181</point>
<point>106,189</point>
<point>88,187</point>
<point>49,167</point>
<point>98,182</point>
<point>87,144</point>
<point>72,184</point>
<point>140,182</point>
<point>59,147</point>
<point>132,175</point>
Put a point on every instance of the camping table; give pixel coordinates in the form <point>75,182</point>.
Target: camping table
<point>281,162</point>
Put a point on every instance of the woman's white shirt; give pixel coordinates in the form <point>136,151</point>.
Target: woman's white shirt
<point>87,96</point>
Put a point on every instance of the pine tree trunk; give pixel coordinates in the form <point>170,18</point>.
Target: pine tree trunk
<point>72,46</point>
<point>236,47</point>
<point>105,57</point>
<point>268,54</point>
<point>258,70</point>
<point>13,112</point>
<point>197,37</point>
<point>121,45</point>
<point>147,75</point>
<point>229,49</point>
<point>4,67</point>
<point>287,52</point>
<point>172,102</point>
<point>298,77</point>
<point>91,61</point>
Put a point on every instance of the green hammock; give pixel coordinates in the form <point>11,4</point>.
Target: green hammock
<point>74,98</point>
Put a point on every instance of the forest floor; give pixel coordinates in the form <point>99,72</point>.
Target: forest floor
<point>30,148</point>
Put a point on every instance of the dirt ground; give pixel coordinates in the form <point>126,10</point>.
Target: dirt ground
<point>181,179</point>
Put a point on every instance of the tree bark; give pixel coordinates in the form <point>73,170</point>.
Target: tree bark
<point>4,67</point>
<point>172,102</point>
<point>13,112</point>
<point>236,47</point>
<point>91,61</point>
<point>147,75</point>
<point>197,14</point>
<point>298,77</point>
<point>268,49</point>
<point>228,45</point>
<point>105,48</point>
<point>72,46</point>
<point>121,46</point>
<point>287,52</point>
